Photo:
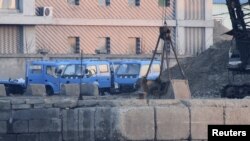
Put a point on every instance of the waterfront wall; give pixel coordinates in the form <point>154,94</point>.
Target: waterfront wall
<point>69,119</point>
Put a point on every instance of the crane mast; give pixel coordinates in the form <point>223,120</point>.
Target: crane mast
<point>241,35</point>
<point>239,53</point>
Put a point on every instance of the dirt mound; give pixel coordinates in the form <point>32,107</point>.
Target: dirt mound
<point>207,73</point>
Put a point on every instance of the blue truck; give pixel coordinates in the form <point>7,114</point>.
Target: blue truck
<point>109,75</point>
<point>128,72</point>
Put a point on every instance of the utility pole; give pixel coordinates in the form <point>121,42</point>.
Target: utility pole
<point>81,76</point>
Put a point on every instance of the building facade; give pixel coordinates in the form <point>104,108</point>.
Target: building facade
<point>103,26</point>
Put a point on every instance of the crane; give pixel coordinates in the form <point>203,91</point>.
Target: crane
<point>239,54</point>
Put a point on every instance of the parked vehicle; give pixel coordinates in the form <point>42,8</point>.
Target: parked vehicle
<point>56,73</point>
<point>128,72</point>
<point>109,75</point>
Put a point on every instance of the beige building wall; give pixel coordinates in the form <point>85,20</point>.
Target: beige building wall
<point>190,20</point>
<point>55,38</point>
<point>118,9</point>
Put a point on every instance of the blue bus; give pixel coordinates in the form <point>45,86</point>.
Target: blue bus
<point>55,73</point>
<point>128,72</point>
<point>109,75</point>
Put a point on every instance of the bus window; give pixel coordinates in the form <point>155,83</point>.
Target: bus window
<point>92,69</point>
<point>103,68</point>
<point>70,70</point>
<point>36,69</point>
<point>155,68</point>
<point>51,70</point>
<point>129,69</point>
<point>79,69</point>
<point>144,70</point>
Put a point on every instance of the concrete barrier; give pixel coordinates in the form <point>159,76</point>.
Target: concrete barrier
<point>70,89</point>
<point>36,90</point>
<point>2,90</point>
<point>136,123</point>
<point>120,120</point>
<point>89,90</point>
<point>172,123</point>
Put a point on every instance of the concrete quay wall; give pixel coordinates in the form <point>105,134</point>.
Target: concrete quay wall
<point>103,119</point>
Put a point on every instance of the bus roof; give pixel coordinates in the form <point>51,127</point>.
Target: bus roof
<point>66,62</point>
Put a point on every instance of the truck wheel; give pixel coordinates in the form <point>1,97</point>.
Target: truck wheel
<point>49,90</point>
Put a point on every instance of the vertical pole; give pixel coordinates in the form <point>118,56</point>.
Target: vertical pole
<point>81,76</point>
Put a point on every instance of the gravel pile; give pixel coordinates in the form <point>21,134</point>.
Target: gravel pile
<point>207,73</point>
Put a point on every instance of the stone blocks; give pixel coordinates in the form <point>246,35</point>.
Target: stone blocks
<point>89,90</point>
<point>172,123</point>
<point>71,89</point>
<point>2,90</point>
<point>36,90</point>
<point>136,123</point>
<point>201,117</point>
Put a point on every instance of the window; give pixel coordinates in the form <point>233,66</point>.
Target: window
<point>103,68</point>
<point>51,70</point>
<point>9,4</point>
<point>129,69</point>
<point>164,3</point>
<point>155,68</point>
<point>108,45</point>
<point>74,2</point>
<point>104,46</point>
<point>134,2</point>
<point>134,45</point>
<point>80,70</point>
<point>36,69</point>
<point>74,44</point>
<point>104,2</point>
<point>92,69</point>
<point>74,70</point>
<point>144,70</point>
<point>138,45</point>
<point>70,70</point>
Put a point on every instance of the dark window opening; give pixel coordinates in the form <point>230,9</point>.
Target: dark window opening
<point>164,3</point>
<point>108,45</point>
<point>107,2</point>
<point>74,2</point>
<point>138,45</point>
<point>137,2</point>
<point>74,44</point>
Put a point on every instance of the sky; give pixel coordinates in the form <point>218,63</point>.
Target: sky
<point>224,1</point>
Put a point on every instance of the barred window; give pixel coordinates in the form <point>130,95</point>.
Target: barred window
<point>104,2</point>
<point>74,2</point>
<point>74,44</point>
<point>164,3</point>
<point>134,45</point>
<point>104,45</point>
<point>134,2</point>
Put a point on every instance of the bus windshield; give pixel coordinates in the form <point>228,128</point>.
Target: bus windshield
<point>128,69</point>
